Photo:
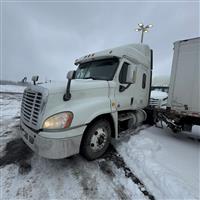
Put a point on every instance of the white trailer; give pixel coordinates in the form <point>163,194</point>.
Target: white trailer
<point>183,105</point>
<point>184,89</point>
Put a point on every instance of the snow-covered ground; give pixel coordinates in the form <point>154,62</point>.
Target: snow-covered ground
<point>12,88</point>
<point>168,166</point>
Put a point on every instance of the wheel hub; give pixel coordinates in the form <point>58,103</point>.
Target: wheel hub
<point>98,139</point>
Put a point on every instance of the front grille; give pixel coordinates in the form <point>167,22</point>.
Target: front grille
<point>154,102</point>
<point>31,106</point>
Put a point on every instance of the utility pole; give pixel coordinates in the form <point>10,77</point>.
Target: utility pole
<point>144,29</point>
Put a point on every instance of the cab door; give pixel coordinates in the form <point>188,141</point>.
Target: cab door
<point>142,86</point>
<point>125,92</point>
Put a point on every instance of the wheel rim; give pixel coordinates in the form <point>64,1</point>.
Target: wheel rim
<point>98,139</point>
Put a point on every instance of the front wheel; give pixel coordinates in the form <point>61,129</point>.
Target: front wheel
<point>96,140</point>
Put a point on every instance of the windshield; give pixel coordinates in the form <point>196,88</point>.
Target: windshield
<point>97,70</point>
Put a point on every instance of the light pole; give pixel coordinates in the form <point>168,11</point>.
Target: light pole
<point>144,29</point>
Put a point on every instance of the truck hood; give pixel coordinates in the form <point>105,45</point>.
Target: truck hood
<point>76,84</point>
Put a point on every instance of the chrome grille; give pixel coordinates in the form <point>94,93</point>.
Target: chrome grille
<point>31,106</point>
<point>154,102</point>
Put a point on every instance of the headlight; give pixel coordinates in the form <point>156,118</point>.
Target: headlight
<point>58,121</point>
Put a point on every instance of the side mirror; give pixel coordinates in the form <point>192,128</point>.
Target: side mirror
<point>34,79</point>
<point>131,75</point>
<point>71,75</point>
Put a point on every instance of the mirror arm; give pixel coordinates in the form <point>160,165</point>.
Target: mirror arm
<point>67,96</point>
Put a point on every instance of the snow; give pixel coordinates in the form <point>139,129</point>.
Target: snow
<point>167,164</point>
<point>10,106</point>
<point>158,94</point>
<point>12,88</point>
<point>9,115</point>
<point>65,179</point>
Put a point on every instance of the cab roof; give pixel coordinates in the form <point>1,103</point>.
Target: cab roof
<point>137,53</point>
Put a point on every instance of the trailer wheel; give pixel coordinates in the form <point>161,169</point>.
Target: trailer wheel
<point>96,140</point>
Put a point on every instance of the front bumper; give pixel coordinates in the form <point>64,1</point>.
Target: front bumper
<point>53,148</point>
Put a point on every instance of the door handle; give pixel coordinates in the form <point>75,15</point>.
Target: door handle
<point>131,101</point>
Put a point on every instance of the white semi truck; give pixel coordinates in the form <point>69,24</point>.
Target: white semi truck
<point>107,94</point>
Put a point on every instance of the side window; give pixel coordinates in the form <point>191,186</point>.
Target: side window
<point>144,77</point>
<point>123,73</point>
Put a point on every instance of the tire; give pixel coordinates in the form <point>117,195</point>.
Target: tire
<point>96,140</point>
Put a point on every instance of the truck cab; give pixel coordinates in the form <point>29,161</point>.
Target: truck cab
<point>106,95</point>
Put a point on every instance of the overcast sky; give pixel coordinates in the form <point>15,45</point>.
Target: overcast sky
<point>45,38</point>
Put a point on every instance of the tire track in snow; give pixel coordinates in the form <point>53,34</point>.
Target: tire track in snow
<point>119,189</point>
<point>95,182</point>
<point>114,156</point>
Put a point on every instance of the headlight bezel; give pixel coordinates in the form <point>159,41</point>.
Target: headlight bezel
<point>53,117</point>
